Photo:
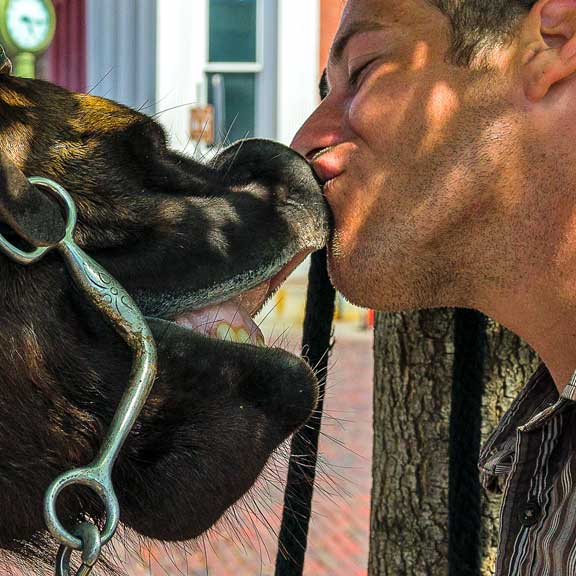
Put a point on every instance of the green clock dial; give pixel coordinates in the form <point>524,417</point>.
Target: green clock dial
<point>28,24</point>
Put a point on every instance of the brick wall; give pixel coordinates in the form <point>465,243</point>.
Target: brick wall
<point>330,12</point>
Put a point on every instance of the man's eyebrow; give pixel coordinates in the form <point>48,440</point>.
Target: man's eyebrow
<point>355,28</point>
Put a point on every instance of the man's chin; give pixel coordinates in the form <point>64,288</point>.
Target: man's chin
<point>352,283</point>
<point>362,286</point>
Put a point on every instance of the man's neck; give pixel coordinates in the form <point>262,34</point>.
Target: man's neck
<point>544,315</point>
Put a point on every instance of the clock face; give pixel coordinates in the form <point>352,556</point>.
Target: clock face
<point>28,23</point>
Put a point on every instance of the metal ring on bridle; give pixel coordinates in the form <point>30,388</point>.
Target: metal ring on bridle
<point>91,549</point>
<point>102,486</point>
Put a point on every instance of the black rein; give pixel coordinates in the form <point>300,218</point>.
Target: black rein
<point>316,345</point>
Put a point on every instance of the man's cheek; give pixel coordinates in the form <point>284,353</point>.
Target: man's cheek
<point>384,113</point>
<point>352,223</point>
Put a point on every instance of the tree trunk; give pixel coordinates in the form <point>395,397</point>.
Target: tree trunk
<point>414,372</point>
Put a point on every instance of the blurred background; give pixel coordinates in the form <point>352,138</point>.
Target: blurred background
<point>212,72</point>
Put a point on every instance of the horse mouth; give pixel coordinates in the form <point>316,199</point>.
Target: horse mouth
<point>233,319</point>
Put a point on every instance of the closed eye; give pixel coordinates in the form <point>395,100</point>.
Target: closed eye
<point>355,76</point>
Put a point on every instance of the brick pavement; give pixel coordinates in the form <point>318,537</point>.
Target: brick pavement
<point>338,544</point>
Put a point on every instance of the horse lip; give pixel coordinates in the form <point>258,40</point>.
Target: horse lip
<point>253,300</point>
<point>209,319</point>
<point>239,289</point>
<point>275,282</point>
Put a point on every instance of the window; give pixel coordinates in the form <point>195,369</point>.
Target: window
<point>233,97</point>
<point>232,31</point>
<point>233,66</point>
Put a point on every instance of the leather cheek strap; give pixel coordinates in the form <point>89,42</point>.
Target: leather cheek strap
<point>33,214</point>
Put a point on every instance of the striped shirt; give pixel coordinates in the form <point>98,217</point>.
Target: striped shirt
<point>531,458</point>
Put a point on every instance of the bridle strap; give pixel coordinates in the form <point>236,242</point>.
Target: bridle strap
<point>36,217</point>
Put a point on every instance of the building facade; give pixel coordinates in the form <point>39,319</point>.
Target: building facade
<point>254,61</point>
<point>65,63</point>
<point>330,14</point>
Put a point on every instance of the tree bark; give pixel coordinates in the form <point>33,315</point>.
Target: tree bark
<point>414,370</point>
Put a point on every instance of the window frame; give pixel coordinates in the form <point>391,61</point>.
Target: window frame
<point>265,69</point>
<point>238,67</point>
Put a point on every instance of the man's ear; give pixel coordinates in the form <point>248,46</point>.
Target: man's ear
<point>548,45</point>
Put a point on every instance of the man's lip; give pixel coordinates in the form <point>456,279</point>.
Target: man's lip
<point>331,162</point>
<point>327,168</point>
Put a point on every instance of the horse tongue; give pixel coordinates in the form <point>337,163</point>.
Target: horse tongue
<point>226,321</point>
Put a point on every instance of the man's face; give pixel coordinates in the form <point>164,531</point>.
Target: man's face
<point>397,141</point>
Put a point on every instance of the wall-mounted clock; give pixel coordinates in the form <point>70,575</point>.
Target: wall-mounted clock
<point>26,29</point>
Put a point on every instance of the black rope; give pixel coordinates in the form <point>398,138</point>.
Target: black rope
<point>316,344</point>
<point>464,494</point>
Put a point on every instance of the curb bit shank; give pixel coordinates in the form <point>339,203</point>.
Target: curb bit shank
<point>106,294</point>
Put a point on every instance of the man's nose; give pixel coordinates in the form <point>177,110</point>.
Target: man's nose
<point>322,130</point>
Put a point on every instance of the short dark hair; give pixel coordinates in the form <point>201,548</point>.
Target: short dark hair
<point>481,24</point>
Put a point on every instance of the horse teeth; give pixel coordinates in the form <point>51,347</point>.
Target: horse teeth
<point>227,332</point>
<point>223,331</point>
<point>243,336</point>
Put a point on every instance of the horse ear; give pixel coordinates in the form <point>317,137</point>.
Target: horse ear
<point>5,63</point>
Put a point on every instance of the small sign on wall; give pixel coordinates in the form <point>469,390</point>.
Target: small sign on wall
<point>202,124</point>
